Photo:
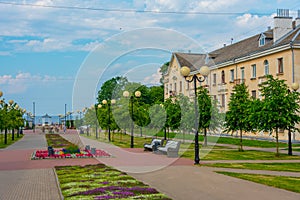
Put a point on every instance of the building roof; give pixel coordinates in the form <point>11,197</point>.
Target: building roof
<point>237,50</point>
<point>192,60</point>
<point>251,45</point>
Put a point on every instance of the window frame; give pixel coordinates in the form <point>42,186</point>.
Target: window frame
<point>280,66</point>
<point>253,68</point>
<point>232,75</point>
<point>266,67</point>
<point>242,74</point>
<point>223,77</point>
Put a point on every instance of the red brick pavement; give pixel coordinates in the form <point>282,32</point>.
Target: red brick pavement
<point>20,159</point>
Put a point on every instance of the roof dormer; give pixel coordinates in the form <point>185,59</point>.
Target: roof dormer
<point>262,40</point>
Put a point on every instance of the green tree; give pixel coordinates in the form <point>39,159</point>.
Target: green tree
<point>279,109</point>
<point>173,111</point>
<point>237,115</point>
<point>187,123</point>
<point>163,70</point>
<point>205,111</point>
<point>111,88</point>
<point>156,94</point>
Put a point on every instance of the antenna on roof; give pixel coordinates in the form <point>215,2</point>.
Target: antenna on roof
<point>231,40</point>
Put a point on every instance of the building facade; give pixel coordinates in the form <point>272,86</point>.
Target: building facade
<point>275,51</point>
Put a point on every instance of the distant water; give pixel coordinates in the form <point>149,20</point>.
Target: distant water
<point>52,120</point>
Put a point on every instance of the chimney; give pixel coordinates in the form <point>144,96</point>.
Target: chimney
<point>283,24</point>
<point>297,20</point>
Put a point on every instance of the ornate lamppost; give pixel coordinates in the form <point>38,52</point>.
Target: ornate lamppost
<point>136,94</point>
<point>96,108</point>
<point>185,72</point>
<point>104,102</point>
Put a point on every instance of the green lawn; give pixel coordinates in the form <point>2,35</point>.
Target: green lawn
<point>289,167</point>
<point>121,140</point>
<point>287,183</point>
<point>229,140</point>
<point>9,140</point>
<point>237,155</point>
<point>187,149</point>
<point>56,141</point>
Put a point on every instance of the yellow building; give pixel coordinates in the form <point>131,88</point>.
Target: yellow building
<point>275,51</point>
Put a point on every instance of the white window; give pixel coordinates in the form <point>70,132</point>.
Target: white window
<point>242,75</point>
<point>214,79</point>
<point>231,75</point>
<point>280,65</point>
<point>266,65</point>
<point>253,70</point>
<point>262,40</point>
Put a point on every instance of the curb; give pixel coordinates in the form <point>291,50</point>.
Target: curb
<point>58,184</point>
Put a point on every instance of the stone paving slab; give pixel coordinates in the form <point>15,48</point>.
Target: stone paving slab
<point>29,141</point>
<point>38,184</point>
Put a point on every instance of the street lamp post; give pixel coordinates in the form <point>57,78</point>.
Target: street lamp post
<point>33,123</point>
<point>204,71</point>
<point>113,101</point>
<point>97,107</point>
<point>295,87</point>
<point>136,94</point>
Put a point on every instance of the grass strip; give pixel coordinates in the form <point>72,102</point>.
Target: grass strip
<point>237,155</point>
<point>283,182</point>
<point>9,140</point>
<point>287,167</point>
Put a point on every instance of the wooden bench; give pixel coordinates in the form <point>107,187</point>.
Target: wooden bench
<point>155,143</point>
<point>170,149</point>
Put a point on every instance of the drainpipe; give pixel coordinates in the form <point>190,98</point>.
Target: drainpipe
<point>293,65</point>
<point>293,62</point>
<point>293,56</point>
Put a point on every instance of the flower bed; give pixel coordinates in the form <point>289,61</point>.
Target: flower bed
<point>62,153</point>
<point>102,182</point>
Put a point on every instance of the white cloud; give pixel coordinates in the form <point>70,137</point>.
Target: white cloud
<point>23,81</point>
<point>57,28</point>
<point>153,79</point>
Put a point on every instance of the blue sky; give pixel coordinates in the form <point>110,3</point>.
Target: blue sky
<point>57,52</point>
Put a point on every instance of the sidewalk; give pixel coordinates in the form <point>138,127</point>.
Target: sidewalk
<point>177,178</point>
<point>22,178</point>
<point>180,179</point>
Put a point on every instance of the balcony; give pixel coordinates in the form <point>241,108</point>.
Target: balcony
<point>239,81</point>
<point>222,88</point>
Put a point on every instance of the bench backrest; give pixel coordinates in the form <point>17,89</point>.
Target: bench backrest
<point>173,144</point>
<point>156,140</point>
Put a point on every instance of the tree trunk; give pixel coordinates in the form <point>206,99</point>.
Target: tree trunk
<point>205,137</point>
<point>5,136</point>
<point>13,134</point>
<point>241,141</point>
<point>277,144</point>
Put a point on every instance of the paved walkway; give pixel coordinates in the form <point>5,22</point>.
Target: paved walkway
<point>21,178</point>
<point>180,179</point>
